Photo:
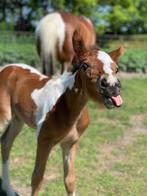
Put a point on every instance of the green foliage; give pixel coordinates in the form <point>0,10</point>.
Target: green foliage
<point>4,26</point>
<point>121,14</point>
<point>18,49</point>
<point>58,4</point>
<point>134,61</point>
<point>86,7</point>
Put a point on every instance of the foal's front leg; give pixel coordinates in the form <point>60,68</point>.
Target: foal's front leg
<point>43,149</point>
<point>69,152</point>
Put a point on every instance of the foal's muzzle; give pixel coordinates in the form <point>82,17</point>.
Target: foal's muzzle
<point>110,93</point>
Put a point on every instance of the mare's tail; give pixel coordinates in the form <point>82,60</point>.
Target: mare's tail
<point>50,34</point>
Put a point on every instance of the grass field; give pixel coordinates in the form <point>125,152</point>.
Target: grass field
<point>112,160</point>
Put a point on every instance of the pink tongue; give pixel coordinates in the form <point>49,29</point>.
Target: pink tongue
<point>117,100</point>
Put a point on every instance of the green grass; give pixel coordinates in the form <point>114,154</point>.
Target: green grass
<point>105,164</point>
<point>15,48</point>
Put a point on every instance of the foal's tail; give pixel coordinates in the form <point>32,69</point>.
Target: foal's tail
<point>50,35</point>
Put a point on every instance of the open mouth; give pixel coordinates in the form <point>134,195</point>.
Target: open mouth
<point>114,101</point>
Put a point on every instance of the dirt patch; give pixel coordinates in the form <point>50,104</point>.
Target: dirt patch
<point>107,158</point>
<point>26,191</point>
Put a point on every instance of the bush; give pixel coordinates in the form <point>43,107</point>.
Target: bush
<point>18,53</point>
<point>134,61</point>
<point>20,48</point>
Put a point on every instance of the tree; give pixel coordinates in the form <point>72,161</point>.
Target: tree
<point>109,16</point>
<point>121,14</point>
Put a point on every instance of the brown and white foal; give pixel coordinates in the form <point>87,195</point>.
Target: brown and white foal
<point>53,106</point>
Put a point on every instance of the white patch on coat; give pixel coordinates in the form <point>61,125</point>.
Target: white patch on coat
<point>47,97</point>
<point>5,180</point>
<point>107,61</point>
<point>51,31</point>
<point>73,194</point>
<point>28,67</point>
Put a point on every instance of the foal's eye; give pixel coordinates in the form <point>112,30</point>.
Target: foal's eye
<point>117,70</point>
<point>85,66</point>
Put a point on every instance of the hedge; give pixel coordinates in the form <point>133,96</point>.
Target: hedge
<point>22,49</point>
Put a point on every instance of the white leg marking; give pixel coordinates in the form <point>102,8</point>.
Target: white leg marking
<point>72,194</point>
<point>5,180</point>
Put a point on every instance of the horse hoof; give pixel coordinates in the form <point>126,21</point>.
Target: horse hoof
<point>3,193</point>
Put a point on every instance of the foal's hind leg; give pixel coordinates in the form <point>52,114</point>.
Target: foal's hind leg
<point>6,143</point>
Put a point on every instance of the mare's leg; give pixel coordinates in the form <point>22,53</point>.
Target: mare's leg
<point>69,148</point>
<point>48,66</point>
<point>44,68</point>
<point>43,149</point>
<point>7,140</point>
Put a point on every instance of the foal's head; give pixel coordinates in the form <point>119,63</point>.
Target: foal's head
<point>98,72</point>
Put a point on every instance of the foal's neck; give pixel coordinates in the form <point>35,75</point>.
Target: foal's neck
<point>76,98</point>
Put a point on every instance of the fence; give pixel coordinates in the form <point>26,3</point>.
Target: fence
<point>17,37</point>
<point>102,40</point>
<point>130,41</point>
<point>20,47</point>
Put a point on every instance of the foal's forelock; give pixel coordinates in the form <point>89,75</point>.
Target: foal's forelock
<point>107,66</point>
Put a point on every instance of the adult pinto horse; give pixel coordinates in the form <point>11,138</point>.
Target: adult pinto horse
<point>54,39</point>
<point>53,105</point>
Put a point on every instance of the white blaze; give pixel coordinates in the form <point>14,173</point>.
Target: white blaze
<point>107,61</point>
<point>46,97</point>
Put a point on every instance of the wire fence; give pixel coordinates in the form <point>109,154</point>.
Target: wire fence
<point>102,40</point>
<point>17,37</point>
<point>21,47</point>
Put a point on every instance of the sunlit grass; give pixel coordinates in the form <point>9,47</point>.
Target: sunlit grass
<point>122,171</point>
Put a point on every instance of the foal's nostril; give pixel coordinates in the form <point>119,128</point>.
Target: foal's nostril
<point>118,84</point>
<point>103,83</point>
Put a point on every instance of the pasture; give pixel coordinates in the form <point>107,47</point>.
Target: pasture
<point>112,157</point>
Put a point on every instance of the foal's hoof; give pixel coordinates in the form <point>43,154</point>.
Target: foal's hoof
<point>3,193</point>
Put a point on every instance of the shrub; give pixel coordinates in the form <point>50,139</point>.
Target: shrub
<point>134,61</point>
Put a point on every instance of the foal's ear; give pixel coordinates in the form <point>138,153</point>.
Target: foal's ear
<point>117,53</point>
<point>78,43</point>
